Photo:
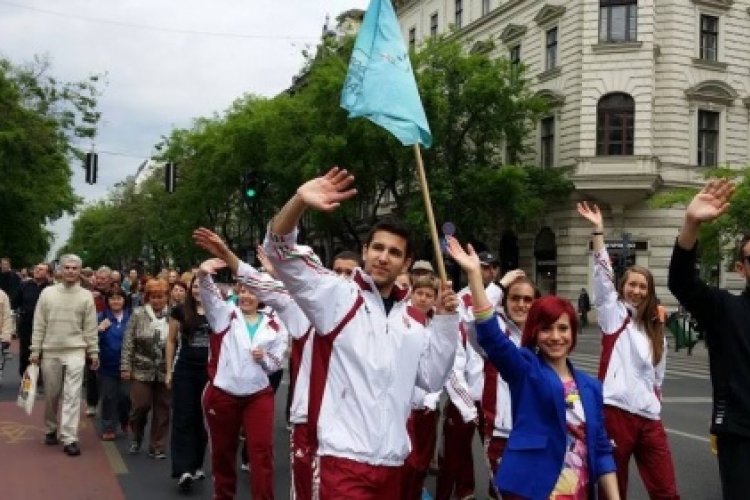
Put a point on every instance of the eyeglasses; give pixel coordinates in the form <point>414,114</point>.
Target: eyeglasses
<point>526,299</point>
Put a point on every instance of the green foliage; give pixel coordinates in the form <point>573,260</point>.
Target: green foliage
<point>42,119</point>
<point>476,106</point>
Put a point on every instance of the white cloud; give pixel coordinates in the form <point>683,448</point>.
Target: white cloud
<point>159,79</point>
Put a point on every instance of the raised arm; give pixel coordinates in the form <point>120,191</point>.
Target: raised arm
<point>437,359</point>
<point>218,311</point>
<point>697,297</point>
<point>610,312</point>
<point>500,350</point>
<point>457,385</point>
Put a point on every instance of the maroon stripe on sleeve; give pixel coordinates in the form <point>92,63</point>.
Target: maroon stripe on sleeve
<point>608,345</point>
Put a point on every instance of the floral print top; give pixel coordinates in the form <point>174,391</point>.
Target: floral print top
<point>574,478</point>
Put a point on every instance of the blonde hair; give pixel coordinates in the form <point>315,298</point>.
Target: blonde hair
<point>154,286</point>
<point>425,282</point>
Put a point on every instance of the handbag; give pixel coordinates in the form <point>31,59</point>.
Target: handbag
<point>27,390</point>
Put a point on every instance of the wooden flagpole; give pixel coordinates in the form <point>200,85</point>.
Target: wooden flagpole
<point>430,215</point>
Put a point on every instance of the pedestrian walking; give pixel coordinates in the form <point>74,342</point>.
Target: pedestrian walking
<point>584,306</point>
<point>24,303</point>
<point>558,448</point>
<point>725,319</point>
<point>7,329</point>
<point>246,346</point>
<point>143,363</point>
<point>632,366</point>
<point>369,352</point>
<point>115,392</point>
<point>64,336</point>
<point>187,376</point>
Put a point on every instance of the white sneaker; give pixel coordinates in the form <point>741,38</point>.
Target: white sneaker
<point>185,483</point>
<point>245,467</point>
<point>91,411</point>
<point>199,475</point>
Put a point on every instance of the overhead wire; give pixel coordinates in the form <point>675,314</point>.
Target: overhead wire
<point>181,31</point>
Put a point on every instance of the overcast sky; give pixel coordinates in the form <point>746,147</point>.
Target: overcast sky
<point>160,76</point>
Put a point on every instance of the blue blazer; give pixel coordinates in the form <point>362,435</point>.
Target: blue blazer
<point>534,454</point>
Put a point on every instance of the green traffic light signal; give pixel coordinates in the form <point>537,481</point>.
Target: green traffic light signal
<point>250,193</point>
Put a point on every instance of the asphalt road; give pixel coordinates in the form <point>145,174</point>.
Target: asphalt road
<point>686,414</point>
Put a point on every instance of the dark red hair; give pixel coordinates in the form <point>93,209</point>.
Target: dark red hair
<point>543,313</point>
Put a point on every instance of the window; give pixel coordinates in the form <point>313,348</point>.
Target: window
<point>459,13</point>
<point>547,146</point>
<point>709,38</point>
<point>708,138</point>
<point>514,54</point>
<point>615,115</point>
<point>485,7</point>
<point>412,39</point>
<point>551,49</point>
<point>434,25</point>
<point>618,20</point>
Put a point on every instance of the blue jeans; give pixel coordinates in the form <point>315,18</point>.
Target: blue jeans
<point>115,394</point>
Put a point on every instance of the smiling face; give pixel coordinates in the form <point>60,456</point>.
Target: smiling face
<point>247,301</point>
<point>555,341</point>
<point>520,298</point>
<point>635,288</point>
<point>385,258</point>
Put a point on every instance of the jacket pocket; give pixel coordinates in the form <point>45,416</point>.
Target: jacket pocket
<point>527,442</point>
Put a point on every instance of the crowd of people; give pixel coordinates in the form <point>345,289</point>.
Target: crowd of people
<point>372,343</point>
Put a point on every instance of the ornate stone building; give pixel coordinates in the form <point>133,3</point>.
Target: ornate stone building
<point>647,95</point>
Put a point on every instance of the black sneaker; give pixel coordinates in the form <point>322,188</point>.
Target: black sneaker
<point>185,483</point>
<point>159,455</point>
<point>50,439</point>
<point>72,450</point>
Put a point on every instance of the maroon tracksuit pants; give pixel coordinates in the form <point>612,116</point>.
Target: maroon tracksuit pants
<point>338,478</point>
<point>494,447</point>
<point>646,440</point>
<point>302,463</point>
<point>422,428</point>
<point>456,460</point>
<point>225,414</point>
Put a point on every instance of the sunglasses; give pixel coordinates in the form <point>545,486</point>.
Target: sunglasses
<point>526,299</point>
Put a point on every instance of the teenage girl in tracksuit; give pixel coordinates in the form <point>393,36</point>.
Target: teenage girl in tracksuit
<point>245,347</point>
<point>632,366</point>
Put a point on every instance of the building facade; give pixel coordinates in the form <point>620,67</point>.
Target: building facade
<point>646,97</point>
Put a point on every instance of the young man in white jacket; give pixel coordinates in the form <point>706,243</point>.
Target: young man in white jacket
<point>370,350</point>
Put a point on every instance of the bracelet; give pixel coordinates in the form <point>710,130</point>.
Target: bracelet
<point>597,233</point>
<point>484,315</point>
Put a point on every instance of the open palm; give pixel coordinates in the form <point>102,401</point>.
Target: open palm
<point>712,201</point>
<point>467,259</point>
<point>327,192</point>
<point>210,266</point>
<point>591,213</point>
<point>210,242</point>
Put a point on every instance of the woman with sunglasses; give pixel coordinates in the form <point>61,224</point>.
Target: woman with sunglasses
<point>631,368</point>
<point>558,448</point>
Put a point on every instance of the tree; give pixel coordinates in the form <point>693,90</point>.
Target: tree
<point>41,120</point>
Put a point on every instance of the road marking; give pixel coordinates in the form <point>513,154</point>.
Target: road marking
<point>688,435</point>
<point>114,457</point>
<point>17,432</point>
<point>687,399</point>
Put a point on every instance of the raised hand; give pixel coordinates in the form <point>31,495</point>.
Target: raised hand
<point>327,192</point>
<point>210,266</point>
<point>447,301</point>
<point>467,259</point>
<point>711,202</point>
<point>511,276</point>
<point>591,214</point>
<point>210,242</point>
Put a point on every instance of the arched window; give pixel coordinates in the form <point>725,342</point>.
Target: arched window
<point>615,115</point>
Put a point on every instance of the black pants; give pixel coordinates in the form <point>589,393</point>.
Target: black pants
<point>24,342</point>
<point>115,402</point>
<point>734,466</point>
<point>275,381</point>
<point>189,437</point>
<point>92,387</point>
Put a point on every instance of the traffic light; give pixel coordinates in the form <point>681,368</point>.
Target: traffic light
<point>92,167</point>
<point>170,177</point>
<point>251,185</point>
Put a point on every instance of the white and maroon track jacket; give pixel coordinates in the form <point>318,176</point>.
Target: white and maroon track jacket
<point>273,293</point>
<point>365,363</point>
<point>230,363</point>
<point>466,380</point>
<point>629,378</point>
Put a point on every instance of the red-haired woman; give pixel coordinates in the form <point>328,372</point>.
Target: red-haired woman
<point>632,366</point>
<point>558,447</point>
<point>245,347</point>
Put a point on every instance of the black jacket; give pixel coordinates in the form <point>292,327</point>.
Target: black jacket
<point>725,317</point>
<point>24,302</point>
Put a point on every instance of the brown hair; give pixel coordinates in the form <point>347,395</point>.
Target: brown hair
<point>425,282</point>
<point>521,280</point>
<point>647,315</point>
<point>154,286</point>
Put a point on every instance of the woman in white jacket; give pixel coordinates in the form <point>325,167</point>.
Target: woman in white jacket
<point>246,346</point>
<point>631,368</point>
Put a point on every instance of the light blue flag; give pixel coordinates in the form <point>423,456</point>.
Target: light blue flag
<point>380,84</point>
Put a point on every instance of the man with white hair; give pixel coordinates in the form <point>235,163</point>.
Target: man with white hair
<point>65,332</point>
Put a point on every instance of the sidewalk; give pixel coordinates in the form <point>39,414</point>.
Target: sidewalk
<point>31,470</point>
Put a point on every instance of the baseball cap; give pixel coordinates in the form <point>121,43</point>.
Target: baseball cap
<point>422,265</point>
<point>486,258</point>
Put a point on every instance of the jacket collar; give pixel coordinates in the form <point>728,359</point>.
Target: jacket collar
<point>366,284</point>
